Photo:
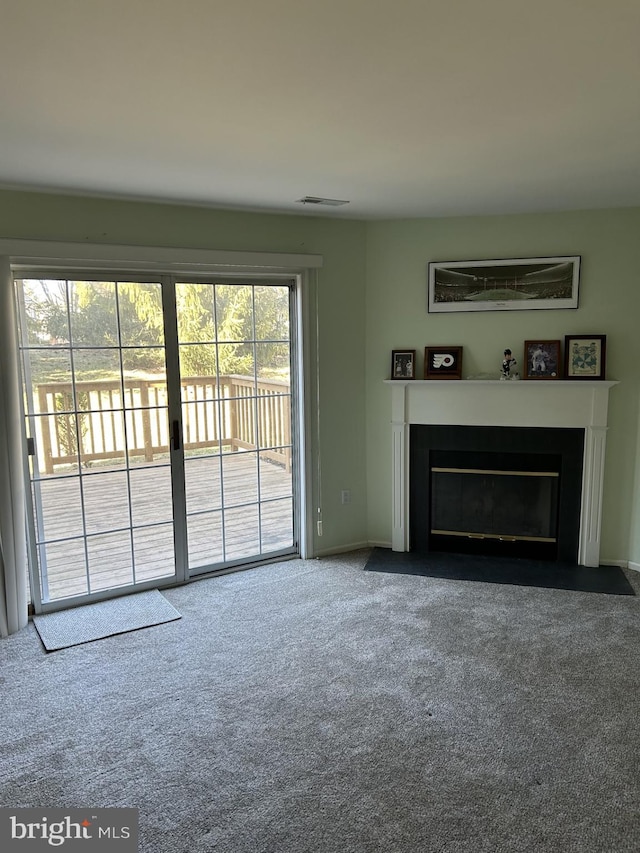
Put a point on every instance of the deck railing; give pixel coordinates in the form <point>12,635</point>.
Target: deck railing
<point>232,412</point>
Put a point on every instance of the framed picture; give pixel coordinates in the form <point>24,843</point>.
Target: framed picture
<point>403,364</point>
<point>542,360</point>
<point>442,362</point>
<point>509,285</point>
<point>585,356</point>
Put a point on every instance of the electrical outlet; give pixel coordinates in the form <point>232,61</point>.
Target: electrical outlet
<point>346,496</point>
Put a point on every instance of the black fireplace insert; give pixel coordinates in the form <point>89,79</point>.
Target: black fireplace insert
<point>496,490</point>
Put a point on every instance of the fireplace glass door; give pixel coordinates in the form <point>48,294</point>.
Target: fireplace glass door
<point>493,504</point>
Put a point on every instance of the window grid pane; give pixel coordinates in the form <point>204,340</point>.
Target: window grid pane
<point>96,399</point>
<point>241,368</point>
<point>98,415</point>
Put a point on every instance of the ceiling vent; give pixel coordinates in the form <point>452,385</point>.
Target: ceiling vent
<point>314,199</point>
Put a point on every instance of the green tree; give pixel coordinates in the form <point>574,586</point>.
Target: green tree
<point>101,314</point>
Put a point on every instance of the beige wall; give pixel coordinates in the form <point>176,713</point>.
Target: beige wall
<point>396,304</point>
<point>340,308</point>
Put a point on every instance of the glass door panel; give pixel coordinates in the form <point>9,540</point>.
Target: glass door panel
<point>116,503</point>
<point>96,407</point>
<point>235,365</point>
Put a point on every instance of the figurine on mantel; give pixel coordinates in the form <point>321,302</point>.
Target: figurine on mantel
<point>508,366</point>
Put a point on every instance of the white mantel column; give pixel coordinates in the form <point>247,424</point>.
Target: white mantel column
<point>595,439</point>
<point>400,470</point>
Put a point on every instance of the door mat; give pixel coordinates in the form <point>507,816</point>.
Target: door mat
<point>516,571</point>
<point>103,619</point>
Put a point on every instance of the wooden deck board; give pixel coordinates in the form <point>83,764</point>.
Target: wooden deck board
<point>251,528</point>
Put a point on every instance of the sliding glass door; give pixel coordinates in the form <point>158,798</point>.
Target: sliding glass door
<point>143,474</point>
<point>96,415</point>
<point>235,365</point>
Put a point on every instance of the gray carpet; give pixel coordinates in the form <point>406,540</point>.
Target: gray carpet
<point>103,619</point>
<point>313,707</point>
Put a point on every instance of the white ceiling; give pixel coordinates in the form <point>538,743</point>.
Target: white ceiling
<point>404,107</point>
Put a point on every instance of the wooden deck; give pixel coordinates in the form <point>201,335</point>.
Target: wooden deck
<point>257,520</point>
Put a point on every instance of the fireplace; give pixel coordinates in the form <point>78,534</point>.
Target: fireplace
<point>510,491</point>
<point>554,427</point>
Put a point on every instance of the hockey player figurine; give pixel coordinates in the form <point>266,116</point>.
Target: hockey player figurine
<point>508,366</point>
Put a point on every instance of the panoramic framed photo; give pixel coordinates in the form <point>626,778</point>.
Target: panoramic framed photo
<point>585,356</point>
<point>403,364</point>
<point>542,360</point>
<point>504,285</point>
<point>443,362</point>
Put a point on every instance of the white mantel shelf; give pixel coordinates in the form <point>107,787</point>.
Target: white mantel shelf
<point>560,403</point>
<point>507,383</point>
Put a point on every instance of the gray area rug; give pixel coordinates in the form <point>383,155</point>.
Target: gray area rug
<point>103,619</point>
<point>314,707</point>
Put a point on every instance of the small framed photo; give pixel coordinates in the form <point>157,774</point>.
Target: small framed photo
<point>403,364</point>
<point>542,360</point>
<point>443,362</point>
<point>585,356</point>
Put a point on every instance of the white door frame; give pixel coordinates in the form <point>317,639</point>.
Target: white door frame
<point>159,261</point>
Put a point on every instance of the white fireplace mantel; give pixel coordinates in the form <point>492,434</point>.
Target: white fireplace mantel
<point>537,403</point>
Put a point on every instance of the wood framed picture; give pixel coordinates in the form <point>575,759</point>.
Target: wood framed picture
<point>443,362</point>
<point>585,356</point>
<point>542,360</point>
<point>403,364</point>
<point>515,284</point>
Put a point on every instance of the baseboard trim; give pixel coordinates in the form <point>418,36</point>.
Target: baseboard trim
<point>375,543</point>
<point>342,549</point>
